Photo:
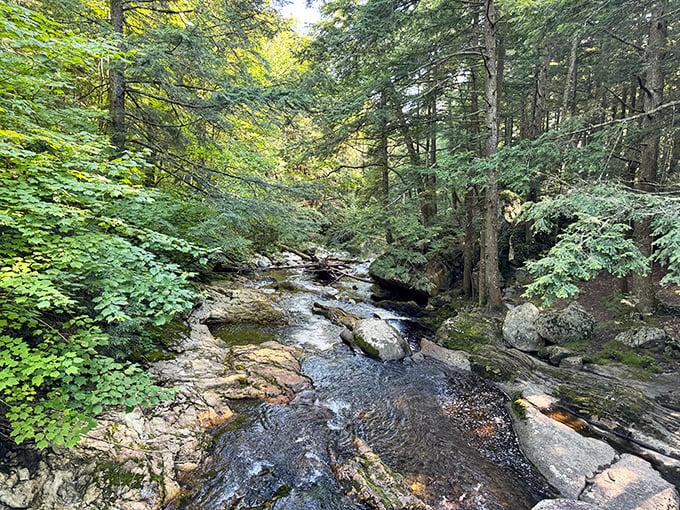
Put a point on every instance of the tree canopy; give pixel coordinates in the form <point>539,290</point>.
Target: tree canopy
<point>145,143</point>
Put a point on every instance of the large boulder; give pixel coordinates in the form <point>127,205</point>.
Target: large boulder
<point>467,329</point>
<point>380,340</point>
<point>519,328</point>
<point>643,337</point>
<point>229,306</point>
<point>631,484</point>
<point>421,280</point>
<point>572,324</point>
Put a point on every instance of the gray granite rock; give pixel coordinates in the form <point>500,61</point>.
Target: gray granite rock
<point>519,328</point>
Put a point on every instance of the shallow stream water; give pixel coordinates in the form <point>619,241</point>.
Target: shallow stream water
<point>445,431</point>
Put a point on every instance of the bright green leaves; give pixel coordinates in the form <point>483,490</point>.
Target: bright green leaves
<point>598,237</point>
<point>71,267</point>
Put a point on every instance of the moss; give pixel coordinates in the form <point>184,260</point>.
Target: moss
<point>468,332</point>
<point>114,475</point>
<point>366,347</point>
<point>493,372</point>
<point>614,351</point>
<point>519,409</point>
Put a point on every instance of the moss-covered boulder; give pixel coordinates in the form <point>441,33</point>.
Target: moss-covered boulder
<point>573,324</point>
<point>380,340</point>
<point>467,330</point>
<point>420,277</point>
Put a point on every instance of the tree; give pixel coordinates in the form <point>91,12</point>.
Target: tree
<point>489,286</point>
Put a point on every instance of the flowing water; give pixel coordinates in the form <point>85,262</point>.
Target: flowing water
<point>445,431</point>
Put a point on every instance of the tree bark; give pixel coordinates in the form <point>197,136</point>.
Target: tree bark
<point>569,98</point>
<point>384,165</point>
<point>117,81</point>
<point>490,279</point>
<point>538,112</point>
<point>649,146</point>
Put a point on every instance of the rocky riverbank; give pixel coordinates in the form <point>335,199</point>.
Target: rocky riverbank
<point>136,460</point>
<point>605,436</point>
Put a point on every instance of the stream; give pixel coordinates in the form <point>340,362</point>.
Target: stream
<point>445,431</point>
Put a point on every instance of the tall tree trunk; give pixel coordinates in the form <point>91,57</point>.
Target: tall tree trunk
<point>384,164</point>
<point>569,97</point>
<point>469,202</point>
<point>491,276</point>
<point>117,81</point>
<point>649,146</point>
<point>428,206</point>
<point>538,111</point>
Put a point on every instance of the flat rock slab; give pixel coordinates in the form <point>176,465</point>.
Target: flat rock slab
<point>455,359</point>
<point>230,306</point>
<point>631,484</point>
<point>564,457</point>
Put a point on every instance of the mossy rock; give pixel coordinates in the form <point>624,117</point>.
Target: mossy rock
<point>468,330</point>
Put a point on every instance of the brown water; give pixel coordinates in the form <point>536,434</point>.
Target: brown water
<point>445,431</point>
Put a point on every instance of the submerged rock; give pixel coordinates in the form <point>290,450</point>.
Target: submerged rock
<point>380,340</point>
<point>573,324</point>
<point>368,481</point>
<point>519,328</point>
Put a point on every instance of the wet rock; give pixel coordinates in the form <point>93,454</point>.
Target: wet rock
<point>338,316</point>
<point>564,504</point>
<point>572,324</point>
<point>380,340</point>
<point>455,359</point>
<point>631,484</point>
<point>222,305</point>
<point>368,481</point>
<point>135,460</point>
<point>564,457</point>
<point>271,372</point>
<point>644,337</point>
<point>572,362</point>
<point>519,328</point>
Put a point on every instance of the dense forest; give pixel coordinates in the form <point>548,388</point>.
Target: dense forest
<point>146,144</point>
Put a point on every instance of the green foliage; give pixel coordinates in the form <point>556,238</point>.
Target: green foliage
<point>596,237</point>
<point>71,270</point>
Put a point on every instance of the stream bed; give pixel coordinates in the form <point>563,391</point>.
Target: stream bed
<point>445,431</point>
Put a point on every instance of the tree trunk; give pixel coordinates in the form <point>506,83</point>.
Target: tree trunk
<point>490,279</point>
<point>649,146</point>
<point>569,98</point>
<point>540,92</point>
<point>117,81</point>
<point>383,164</point>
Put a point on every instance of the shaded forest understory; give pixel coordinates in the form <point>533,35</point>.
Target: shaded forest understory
<point>486,153</point>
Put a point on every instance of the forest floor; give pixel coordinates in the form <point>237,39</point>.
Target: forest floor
<point>614,312</point>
